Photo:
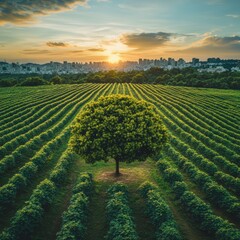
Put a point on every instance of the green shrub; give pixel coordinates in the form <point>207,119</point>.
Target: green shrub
<point>145,188</point>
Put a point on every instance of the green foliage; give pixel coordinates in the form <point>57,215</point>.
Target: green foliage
<point>176,77</point>
<point>172,175</point>
<point>33,81</point>
<point>27,218</point>
<point>85,184</point>
<point>43,195</point>
<point>25,221</point>
<point>200,211</point>
<point>139,78</point>
<point>168,231</point>
<point>118,127</point>
<point>159,212</point>
<point>18,180</point>
<point>118,187</point>
<point>7,193</point>
<point>74,219</point>
<point>204,145</point>
<point>58,175</point>
<point>29,170</point>
<point>145,188</point>
<point>121,226</point>
<point>56,80</point>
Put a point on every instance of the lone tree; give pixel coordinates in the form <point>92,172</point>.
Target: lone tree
<point>118,127</point>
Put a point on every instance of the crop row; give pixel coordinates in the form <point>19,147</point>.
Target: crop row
<point>200,212</point>
<point>27,95</point>
<point>25,110</point>
<point>12,160</point>
<point>207,166</point>
<point>217,194</point>
<point>177,128</point>
<point>26,173</point>
<point>20,101</point>
<point>36,119</point>
<point>198,121</point>
<point>209,104</point>
<point>27,218</point>
<point>75,217</point>
<point>121,225</point>
<point>159,212</point>
<point>17,122</point>
<point>21,139</point>
<point>211,116</point>
<point>188,126</point>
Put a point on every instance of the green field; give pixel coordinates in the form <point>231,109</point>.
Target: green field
<point>203,151</point>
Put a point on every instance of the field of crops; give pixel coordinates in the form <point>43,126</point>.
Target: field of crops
<point>196,191</point>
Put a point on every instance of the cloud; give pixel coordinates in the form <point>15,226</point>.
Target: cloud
<point>233,15</point>
<point>213,46</point>
<point>25,11</point>
<point>146,40</point>
<point>56,44</point>
<point>221,41</point>
<point>35,51</point>
<point>96,49</point>
<point>76,51</point>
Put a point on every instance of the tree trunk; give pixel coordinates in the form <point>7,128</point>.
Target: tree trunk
<point>117,173</point>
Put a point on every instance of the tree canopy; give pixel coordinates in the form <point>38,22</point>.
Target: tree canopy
<point>118,127</point>
<point>176,77</point>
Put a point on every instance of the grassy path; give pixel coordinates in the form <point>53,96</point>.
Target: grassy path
<point>133,175</point>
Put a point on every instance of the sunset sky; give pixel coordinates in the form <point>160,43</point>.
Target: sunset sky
<point>110,30</point>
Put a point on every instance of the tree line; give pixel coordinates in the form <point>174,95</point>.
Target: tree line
<point>175,77</point>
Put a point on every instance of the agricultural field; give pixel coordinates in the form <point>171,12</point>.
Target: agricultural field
<point>47,192</point>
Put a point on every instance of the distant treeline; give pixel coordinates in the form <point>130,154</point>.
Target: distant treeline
<point>175,77</point>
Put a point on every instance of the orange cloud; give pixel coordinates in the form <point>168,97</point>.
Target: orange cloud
<point>25,11</point>
<point>56,44</point>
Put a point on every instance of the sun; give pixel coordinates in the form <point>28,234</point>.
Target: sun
<point>113,58</point>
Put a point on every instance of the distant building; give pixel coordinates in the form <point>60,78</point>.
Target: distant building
<point>211,65</point>
<point>213,60</point>
<point>195,61</point>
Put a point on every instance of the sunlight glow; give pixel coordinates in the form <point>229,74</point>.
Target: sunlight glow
<point>113,58</point>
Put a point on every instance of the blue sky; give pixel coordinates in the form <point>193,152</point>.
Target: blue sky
<point>98,30</point>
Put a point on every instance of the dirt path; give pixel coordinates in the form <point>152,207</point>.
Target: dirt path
<point>97,222</point>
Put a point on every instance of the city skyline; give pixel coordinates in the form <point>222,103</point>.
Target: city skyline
<point>110,30</point>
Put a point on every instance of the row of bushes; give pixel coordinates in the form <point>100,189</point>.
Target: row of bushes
<point>10,161</point>
<point>75,217</point>
<point>34,118</point>
<point>155,75</point>
<point>20,107</point>
<point>121,225</point>
<point>21,180</point>
<point>204,108</point>
<point>28,218</point>
<point>177,123</point>
<point>25,112</point>
<point>159,213</point>
<point>17,156</point>
<point>211,115</point>
<point>197,208</point>
<point>197,121</point>
<point>20,139</point>
<point>226,165</point>
<point>29,129</point>
<point>207,166</point>
<point>165,110</point>
<point>216,193</point>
